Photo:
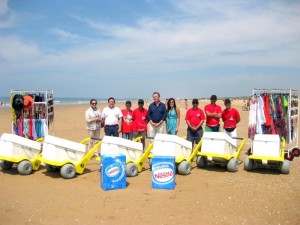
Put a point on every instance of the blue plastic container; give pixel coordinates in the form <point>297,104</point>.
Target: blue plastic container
<point>163,172</point>
<point>113,172</point>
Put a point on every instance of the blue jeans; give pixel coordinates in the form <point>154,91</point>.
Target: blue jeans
<point>128,136</point>
<point>111,130</point>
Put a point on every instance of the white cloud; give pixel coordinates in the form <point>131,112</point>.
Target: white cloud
<point>13,49</point>
<point>64,35</point>
<point>7,16</point>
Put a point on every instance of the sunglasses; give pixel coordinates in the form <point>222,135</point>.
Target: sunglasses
<point>94,103</point>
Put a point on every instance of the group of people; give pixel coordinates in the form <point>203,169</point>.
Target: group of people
<point>135,123</point>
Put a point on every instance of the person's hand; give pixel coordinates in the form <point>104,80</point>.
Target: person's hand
<point>119,130</point>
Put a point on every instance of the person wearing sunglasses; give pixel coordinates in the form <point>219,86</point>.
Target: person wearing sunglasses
<point>93,123</point>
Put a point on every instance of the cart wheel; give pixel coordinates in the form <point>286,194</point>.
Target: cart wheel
<point>50,168</point>
<point>150,164</point>
<point>233,165</point>
<point>248,163</point>
<point>201,162</point>
<point>296,151</point>
<point>68,171</point>
<point>131,170</point>
<point>289,156</point>
<point>184,168</point>
<point>25,167</point>
<point>5,165</point>
<point>285,167</point>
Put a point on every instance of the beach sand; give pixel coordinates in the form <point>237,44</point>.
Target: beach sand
<point>206,196</point>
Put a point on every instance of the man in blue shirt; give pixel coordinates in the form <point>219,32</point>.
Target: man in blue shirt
<point>156,115</point>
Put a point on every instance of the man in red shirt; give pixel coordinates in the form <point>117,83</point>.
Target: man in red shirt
<point>127,123</point>
<point>140,121</point>
<point>230,117</point>
<point>213,114</point>
<point>194,119</point>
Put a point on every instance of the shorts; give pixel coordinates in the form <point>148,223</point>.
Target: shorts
<point>212,129</point>
<point>194,136</point>
<point>139,134</point>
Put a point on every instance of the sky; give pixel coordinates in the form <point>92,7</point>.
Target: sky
<point>131,48</point>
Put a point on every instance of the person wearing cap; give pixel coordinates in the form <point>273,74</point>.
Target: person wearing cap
<point>194,119</point>
<point>156,115</point>
<point>213,114</point>
<point>140,121</point>
<point>112,118</point>
<point>127,123</point>
<point>231,117</point>
<point>93,123</point>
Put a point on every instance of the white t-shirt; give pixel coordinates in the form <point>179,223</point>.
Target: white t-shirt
<point>111,116</point>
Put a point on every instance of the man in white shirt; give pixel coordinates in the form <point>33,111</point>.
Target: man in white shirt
<point>93,123</point>
<point>112,118</point>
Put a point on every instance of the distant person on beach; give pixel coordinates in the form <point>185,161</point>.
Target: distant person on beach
<point>93,123</point>
<point>140,121</point>
<point>112,116</point>
<point>127,123</point>
<point>231,118</point>
<point>173,117</point>
<point>213,114</point>
<point>194,119</point>
<point>156,115</point>
<point>186,104</point>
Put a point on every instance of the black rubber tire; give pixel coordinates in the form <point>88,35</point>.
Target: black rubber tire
<point>131,170</point>
<point>68,171</point>
<point>201,162</point>
<point>5,165</point>
<point>233,165</point>
<point>184,168</point>
<point>296,152</point>
<point>289,156</point>
<point>24,167</point>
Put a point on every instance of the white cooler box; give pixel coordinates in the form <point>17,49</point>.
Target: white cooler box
<point>266,145</point>
<point>116,145</point>
<point>59,150</point>
<point>14,146</point>
<point>218,143</point>
<point>171,145</point>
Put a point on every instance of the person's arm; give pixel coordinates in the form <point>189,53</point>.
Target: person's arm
<point>189,124</point>
<point>150,116</point>
<point>91,120</point>
<point>120,121</point>
<point>199,125</point>
<point>178,118</point>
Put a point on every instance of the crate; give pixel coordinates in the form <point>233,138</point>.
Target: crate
<point>115,145</point>
<point>59,150</point>
<point>218,143</point>
<point>171,145</point>
<point>113,172</point>
<point>163,172</point>
<point>266,145</point>
<point>13,146</point>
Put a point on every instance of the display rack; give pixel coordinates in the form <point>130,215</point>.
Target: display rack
<point>38,121</point>
<point>292,113</point>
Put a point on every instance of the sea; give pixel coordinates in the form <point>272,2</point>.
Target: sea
<point>5,101</point>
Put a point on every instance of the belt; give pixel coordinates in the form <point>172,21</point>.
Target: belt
<point>112,125</point>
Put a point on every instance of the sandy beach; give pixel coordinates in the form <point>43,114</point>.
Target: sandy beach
<point>206,196</point>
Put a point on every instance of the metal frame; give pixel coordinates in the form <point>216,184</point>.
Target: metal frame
<point>47,93</point>
<point>293,95</point>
